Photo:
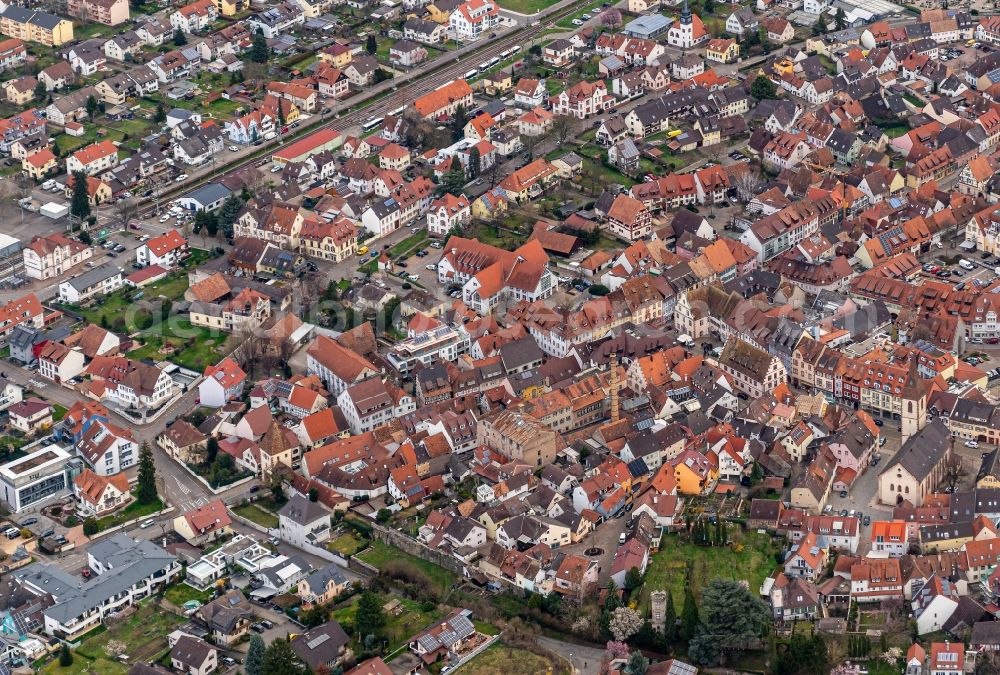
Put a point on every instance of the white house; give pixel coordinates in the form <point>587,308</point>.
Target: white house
<point>222,383</point>
<point>472,19</point>
<point>302,522</point>
<point>98,281</point>
<point>108,448</point>
<point>446,213</point>
<point>168,250</point>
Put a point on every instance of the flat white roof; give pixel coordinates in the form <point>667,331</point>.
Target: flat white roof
<point>38,461</point>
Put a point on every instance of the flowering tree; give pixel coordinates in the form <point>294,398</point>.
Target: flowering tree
<point>615,650</point>
<point>114,648</point>
<point>625,622</point>
<point>611,18</point>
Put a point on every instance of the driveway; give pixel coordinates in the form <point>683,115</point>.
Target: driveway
<point>604,537</point>
<point>586,660</point>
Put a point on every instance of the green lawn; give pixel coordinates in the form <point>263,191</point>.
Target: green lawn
<point>379,555</point>
<point>668,566</point>
<point>526,6</point>
<point>180,593</point>
<point>408,245</point>
<point>58,412</point>
<point>398,629</point>
<point>171,287</point>
<point>194,346</point>
<point>255,514</point>
<point>347,544</point>
<point>144,635</point>
<point>130,512</point>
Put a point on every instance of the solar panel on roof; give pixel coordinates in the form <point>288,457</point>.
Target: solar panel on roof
<point>317,641</point>
<point>462,626</point>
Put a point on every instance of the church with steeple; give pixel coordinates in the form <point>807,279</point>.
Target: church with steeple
<point>688,32</point>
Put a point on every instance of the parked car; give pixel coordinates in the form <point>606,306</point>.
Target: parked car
<point>181,178</point>
<point>971,443</point>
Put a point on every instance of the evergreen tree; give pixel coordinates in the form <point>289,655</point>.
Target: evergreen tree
<point>92,107</point>
<point>40,91</point>
<point>474,163</point>
<point>708,6</point>
<point>279,659</point>
<point>79,205</point>
<point>369,618</point>
<point>819,27</point>
<point>160,116</point>
<point>145,492</point>
<point>281,114</point>
<point>229,212</point>
<point>371,45</point>
<point>689,616</point>
<point>65,657</point>
<point>454,180</point>
<point>259,51</point>
<point>179,38</point>
<point>670,619</point>
<point>211,449</point>
<point>839,19</point>
<point>637,664</point>
<point>732,619</point>
<point>718,532</point>
<point>255,655</point>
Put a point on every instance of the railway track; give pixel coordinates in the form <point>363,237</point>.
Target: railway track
<point>361,109</point>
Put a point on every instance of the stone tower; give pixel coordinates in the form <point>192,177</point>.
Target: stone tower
<point>914,402</point>
<point>657,610</point>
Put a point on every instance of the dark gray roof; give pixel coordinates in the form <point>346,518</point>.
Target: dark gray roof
<point>302,511</point>
<point>191,651</point>
<point>130,561</point>
<point>208,193</point>
<point>922,451</point>
<point>93,277</point>
<point>322,645</point>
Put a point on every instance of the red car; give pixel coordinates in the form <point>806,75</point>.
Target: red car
<point>85,572</point>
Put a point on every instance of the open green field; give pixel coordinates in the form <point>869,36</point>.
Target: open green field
<point>379,555</point>
<point>398,629</point>
<point>255,514</point>
<point>526,6</point>
<point>750,558</point>
<point>144,635</point>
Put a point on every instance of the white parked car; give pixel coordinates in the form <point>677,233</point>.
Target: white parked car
<point>577,22</point>
<point>972,444</point>
<point>233,148</point>
<point>181,178</point>
<point>432,267</point>
<point>165,217</point>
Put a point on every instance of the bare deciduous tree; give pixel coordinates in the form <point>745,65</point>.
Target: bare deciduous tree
<point>126,210</point>
<point>954,472</point>
<point>24,185</point>
<point>561,128</point>
<point>747,180</point>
